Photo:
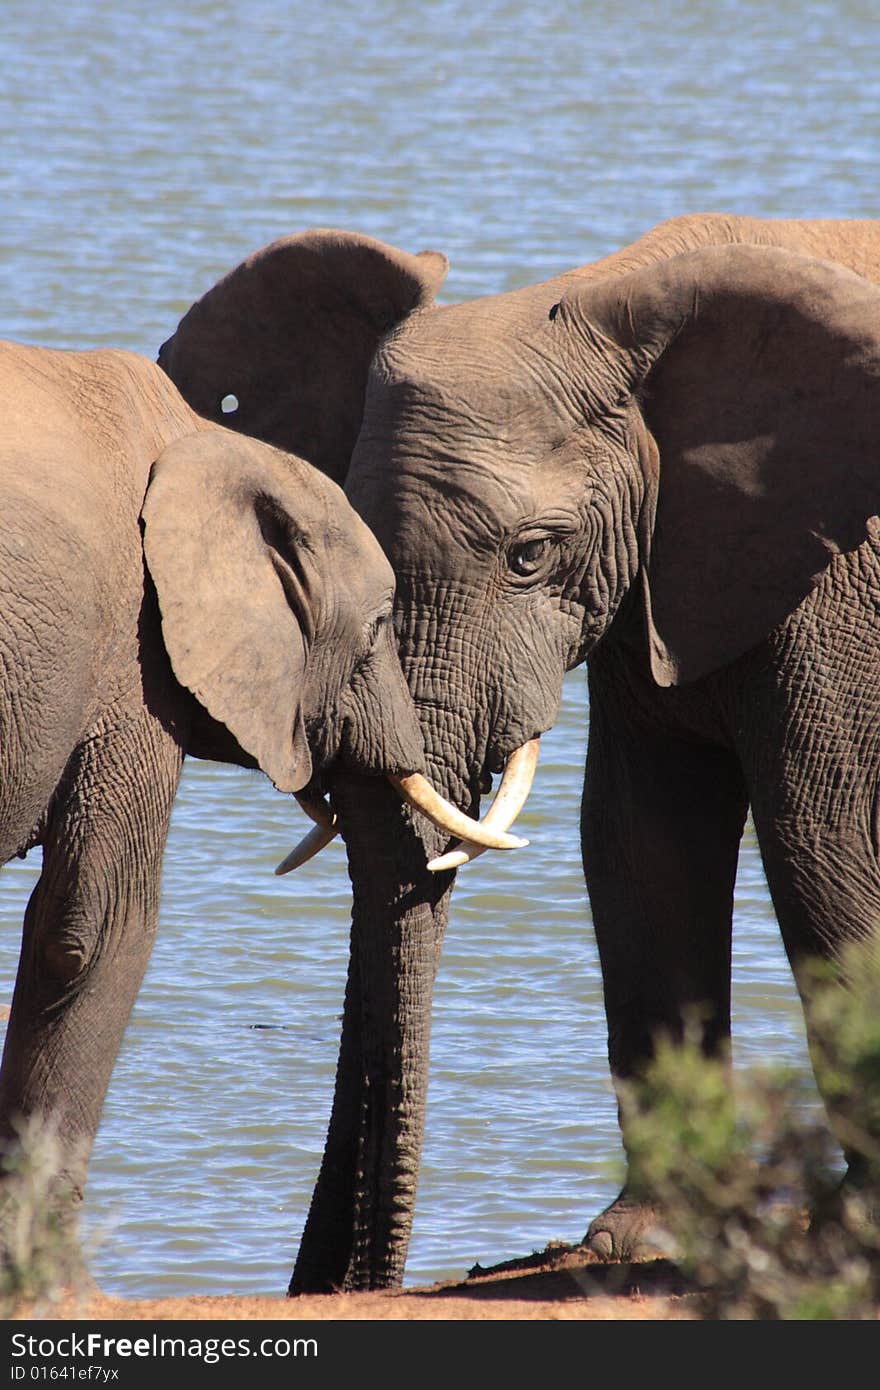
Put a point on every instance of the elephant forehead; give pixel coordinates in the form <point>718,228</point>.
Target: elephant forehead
<point>459,433</point>
<point>474,438</point>
<point>437,484</point>
<point>444,509</point>
<point>491,394</point>
<point>482,364</point>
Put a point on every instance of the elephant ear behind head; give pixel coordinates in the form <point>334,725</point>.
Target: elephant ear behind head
<point>757,371</point>
<point>280,348</point>
<point>226,524</point>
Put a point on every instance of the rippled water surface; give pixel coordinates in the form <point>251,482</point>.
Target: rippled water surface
<point>145,152</point>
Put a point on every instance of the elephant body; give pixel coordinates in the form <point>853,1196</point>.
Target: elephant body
<point>257,633</point>
<point>662,464</point>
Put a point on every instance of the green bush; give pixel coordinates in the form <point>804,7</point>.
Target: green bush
<point>749,1185</point>
<point>40,1254</point>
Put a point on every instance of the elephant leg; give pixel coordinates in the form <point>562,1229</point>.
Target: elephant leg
<point>88,932</point>
<point>662,818</point>
<point>816,806</point>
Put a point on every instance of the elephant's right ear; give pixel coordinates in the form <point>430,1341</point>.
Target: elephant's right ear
<point>237,587</point>
<point>280,348</point>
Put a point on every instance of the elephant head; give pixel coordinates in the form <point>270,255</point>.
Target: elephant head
<point>700,426</point>
<point>305,672</point>
<point>276,607</point>
<point>542,467</point>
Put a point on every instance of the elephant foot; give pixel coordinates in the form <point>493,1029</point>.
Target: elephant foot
<point>631,1228</point>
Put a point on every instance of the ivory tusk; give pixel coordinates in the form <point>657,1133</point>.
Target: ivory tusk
<point>475,836</point>
<point>324,830</point>
<point>308,847</point>
<point>509,800</point>
<point>318,810</point>
<point>418,792</point>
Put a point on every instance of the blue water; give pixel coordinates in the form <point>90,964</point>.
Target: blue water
<point>145,152</point>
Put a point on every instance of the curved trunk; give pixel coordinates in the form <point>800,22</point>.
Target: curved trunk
<point>358,1228</point>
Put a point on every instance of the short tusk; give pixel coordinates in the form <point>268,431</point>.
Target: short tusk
<point>509,801</point>
<point>318,810</point>
<point>312,844</point>
<point>418,792</point>
<point>324,830</point>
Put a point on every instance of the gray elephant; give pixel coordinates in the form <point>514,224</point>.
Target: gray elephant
<point>662,464</point>
<point>259,633</point>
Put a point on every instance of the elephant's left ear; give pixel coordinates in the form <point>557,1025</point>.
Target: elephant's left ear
<point>757,371</point>
<point>237,590</point>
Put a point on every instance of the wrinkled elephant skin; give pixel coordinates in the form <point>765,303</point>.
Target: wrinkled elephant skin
<point>661,464</point>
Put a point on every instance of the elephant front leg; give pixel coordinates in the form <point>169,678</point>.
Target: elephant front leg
<point>88,932</point>
<point>662,818</point>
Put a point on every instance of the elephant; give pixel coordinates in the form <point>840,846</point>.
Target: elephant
<point>658,465</point>
<point>169,587</point>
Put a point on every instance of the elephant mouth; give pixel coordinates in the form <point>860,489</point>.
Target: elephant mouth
<point>472,837</point>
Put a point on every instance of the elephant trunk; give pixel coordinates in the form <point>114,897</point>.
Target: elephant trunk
<point>358,1227</point>
<point>359,1222</point>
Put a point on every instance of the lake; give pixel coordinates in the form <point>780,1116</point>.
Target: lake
<point>145,152</point>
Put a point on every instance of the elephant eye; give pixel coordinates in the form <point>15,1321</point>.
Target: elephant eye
<point>526,557</point>
<point>229,404</point>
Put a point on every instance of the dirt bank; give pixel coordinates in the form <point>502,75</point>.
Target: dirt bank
<point>562,1283</point>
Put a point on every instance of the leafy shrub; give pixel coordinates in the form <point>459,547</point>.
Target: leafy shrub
<point>750,1187</point>
<point>39,1250</point>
